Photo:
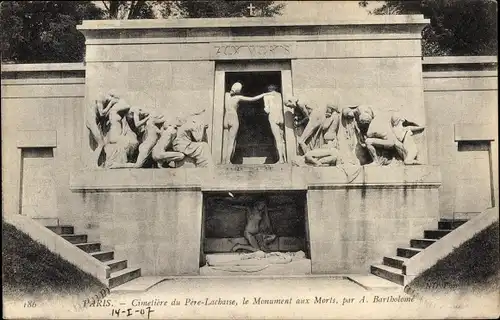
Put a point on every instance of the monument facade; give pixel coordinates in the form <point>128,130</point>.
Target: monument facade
<point>300,143</point>
<point>277,109</point>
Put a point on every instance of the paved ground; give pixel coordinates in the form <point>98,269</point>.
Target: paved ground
<point>262,298</point>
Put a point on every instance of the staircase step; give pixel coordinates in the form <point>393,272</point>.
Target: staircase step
<point>116,265</point>
<point>103,255</point>
<point>421,243</point>
<point>62,229</point>
<point>392,274</point>
<point>395,262</point>
<point>75,238</point>
<point>89,246</point>
<point>436,234</point>
<point>407,252</point>
<point>120,277</point>
<point>450,223</point>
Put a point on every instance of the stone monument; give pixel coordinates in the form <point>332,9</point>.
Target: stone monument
<point>318,105</point>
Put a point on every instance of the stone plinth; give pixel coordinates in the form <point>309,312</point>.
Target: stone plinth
<point>154,217</point>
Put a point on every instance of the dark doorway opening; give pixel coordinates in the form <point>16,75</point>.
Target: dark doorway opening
<point>254,142</point>
<point>228,218</point>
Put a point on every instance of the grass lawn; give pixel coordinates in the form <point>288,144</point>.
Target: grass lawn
<point>30,270</point>
<point>472,267</point>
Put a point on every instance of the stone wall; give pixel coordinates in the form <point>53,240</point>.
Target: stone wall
<point>41,108</point>
<point>461,101</point>
<point>48,101</point>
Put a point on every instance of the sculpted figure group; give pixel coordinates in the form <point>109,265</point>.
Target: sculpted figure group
<point>328,136</point>
<point>126,136</point>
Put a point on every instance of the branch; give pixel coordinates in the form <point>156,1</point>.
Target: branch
<point>106,5</point>
<point>135,8</point>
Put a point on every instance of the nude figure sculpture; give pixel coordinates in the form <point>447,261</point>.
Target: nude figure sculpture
<point>121,140</point>
<point>190,140</point>
<point>152,124</point>
<point>374,132</point>
<point>95,120</point>
<point>231,121</point>
<point>406,148</point>
<point>160,152</point>
<point>314,114</point>
<point>258,231</point>
<point>273,106</point>
<point>163,152</point>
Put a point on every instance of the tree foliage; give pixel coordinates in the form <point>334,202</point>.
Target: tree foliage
<point>457,27</point>
<point>45,31</point>
<point>219,8</point>
<point>136,9</point>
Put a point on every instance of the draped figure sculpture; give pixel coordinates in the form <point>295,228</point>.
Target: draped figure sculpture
<point>313,115</point>
<point>327,153</point>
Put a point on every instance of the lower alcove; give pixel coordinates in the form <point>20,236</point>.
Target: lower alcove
<point>277,222</point>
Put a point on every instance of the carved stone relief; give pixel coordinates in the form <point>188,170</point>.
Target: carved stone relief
<point>125,136</point>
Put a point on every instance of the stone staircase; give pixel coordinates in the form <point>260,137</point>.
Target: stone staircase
<point>392,267</point>
<point>119,272</point>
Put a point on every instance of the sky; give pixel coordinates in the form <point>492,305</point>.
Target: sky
<point>326,9</point>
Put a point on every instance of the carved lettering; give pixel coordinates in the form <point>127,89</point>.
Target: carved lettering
<point>252,50</point>
<point>263,50</point>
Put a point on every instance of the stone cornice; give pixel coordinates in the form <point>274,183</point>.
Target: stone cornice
<point>247,22</point>
<point>199,30</point>
<point>242,177</point>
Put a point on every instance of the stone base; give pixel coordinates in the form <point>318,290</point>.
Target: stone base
<point>154,217</point>
<point>298,267</point>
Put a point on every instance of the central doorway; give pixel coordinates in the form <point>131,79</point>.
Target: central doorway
<point>254,233</point>
<point>254,142</point>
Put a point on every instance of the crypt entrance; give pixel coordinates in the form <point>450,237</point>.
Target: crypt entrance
<point>254,143</point>
<point>248,233</point>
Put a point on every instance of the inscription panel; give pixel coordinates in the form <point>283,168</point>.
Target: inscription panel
<point>263,50</point>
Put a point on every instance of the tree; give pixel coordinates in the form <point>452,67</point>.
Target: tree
<point>44,31</point>
<point>221,8</point>
<point>137,9</point>
<point>189,9</point>
<point>457,27</point>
